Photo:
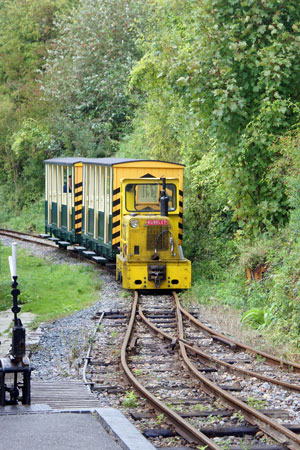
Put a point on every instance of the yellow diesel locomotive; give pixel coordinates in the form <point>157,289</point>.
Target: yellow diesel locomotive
<point>120,209</point>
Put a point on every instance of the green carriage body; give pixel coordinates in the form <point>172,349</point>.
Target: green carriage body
<point>61,207</point>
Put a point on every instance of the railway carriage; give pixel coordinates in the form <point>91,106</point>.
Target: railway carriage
<point>121,209</point>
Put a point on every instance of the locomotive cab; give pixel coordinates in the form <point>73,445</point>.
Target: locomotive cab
<point>151,256</point>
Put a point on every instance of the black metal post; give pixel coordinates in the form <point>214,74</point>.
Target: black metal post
<point>15,293</point>
<point>17,362</point>
<point>18,334</point>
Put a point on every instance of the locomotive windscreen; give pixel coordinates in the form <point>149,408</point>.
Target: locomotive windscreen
<point>146,196</point>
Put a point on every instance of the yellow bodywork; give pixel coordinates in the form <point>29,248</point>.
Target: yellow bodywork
<point>142,169</point>
<point>150,252</point>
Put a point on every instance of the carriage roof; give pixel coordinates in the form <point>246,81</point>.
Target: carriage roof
<point>70,161</point>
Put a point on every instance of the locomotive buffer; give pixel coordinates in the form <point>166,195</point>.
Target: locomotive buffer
<point>16,363</point>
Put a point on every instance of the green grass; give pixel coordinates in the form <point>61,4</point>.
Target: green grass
<point>48,290</point>
<point>31,218</point>
<point>229,288</point>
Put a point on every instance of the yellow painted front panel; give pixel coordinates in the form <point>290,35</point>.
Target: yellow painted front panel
<point>134,272</point>
<point>134,267</point>
<point>138,169</point>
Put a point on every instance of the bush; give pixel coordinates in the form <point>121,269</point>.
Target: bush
<point>30,219</point>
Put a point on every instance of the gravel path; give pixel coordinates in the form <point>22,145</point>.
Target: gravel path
<point>64,342</point>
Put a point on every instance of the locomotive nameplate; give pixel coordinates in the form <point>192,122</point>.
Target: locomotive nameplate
<point>156,222</point>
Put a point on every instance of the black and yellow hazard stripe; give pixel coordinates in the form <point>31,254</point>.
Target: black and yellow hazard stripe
<point>180,217</point>
<point>78,195</point>
<point>116,218</point>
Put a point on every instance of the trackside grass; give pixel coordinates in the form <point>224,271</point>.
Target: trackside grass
<point>48,290</point>
<point>30,219</point>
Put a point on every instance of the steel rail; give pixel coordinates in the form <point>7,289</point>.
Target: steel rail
<point>272,360</point>
<point>19,232</point>
<point>18,235</point>
<point>267,425</point>
<point>154,327</point>
<point>217,363</point>
<point>206,358</point>
<point>185,429</point>
<point>42,242</point>
<point>228,398</point>
<point>88,355</point>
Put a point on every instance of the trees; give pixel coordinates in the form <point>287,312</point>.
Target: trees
<point>86,75</point>
<point>25,29</point>
<point>233,68</point>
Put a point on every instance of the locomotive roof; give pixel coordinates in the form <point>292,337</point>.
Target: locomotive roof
<point>70,161</point>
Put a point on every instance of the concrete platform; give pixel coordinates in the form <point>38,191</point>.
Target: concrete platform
<point>54,432</point>
<point>102,428</point>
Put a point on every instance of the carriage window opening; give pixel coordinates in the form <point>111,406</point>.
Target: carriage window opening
<point>67,186</point>
<point>145,197</point>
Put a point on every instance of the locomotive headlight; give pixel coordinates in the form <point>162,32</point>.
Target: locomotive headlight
<point>134,223</point>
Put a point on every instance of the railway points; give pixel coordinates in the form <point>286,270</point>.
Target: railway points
<point>164,317</point>
<point>139,354</point>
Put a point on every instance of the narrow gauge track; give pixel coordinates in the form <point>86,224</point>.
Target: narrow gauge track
<point>233,357</point>
<point>269,359</point>
<point>26,237</point>
<point>270,427</point>
<point>185,429</point>
<point>282,434</point>
<point>47,241</point>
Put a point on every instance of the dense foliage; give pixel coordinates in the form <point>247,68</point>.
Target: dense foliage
<point>64,66</point>
<point>219,87</point>
<point>86,75</point>
<point>26,27</point>
<point>214,84</point>
<point>225,77</point>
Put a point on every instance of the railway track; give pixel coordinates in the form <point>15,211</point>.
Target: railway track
<point>74,250</point>
<point>196,404</point>
<point>207,355</point>
<point>26,237</point>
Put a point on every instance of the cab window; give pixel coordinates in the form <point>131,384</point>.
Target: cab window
<point>145,197</point>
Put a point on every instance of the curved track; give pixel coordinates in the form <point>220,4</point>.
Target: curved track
<point>269,426</point>
<point>185,429</point>
<point>26,237</point>
<point>270,359</point>
<point>186,347</point>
